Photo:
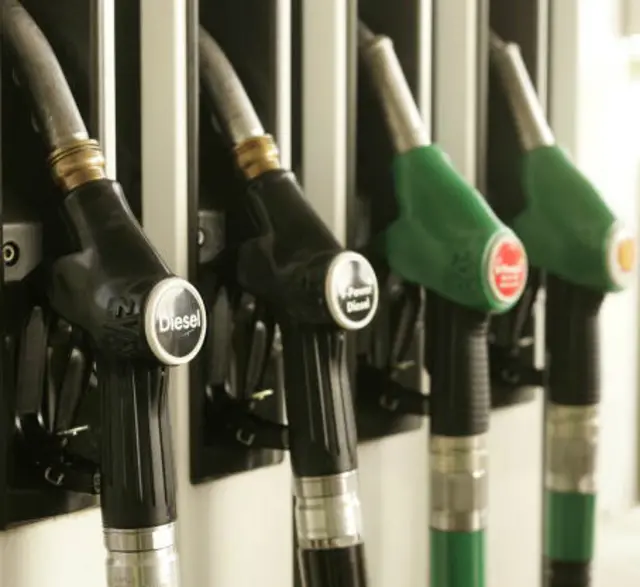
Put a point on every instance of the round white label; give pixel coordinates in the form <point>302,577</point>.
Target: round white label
<point>351,291</point>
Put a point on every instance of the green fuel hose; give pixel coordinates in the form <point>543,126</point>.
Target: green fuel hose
<point>569,232</point>
<point>448,240</point>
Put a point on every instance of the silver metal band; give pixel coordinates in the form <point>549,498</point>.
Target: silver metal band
<point>144,557</point>
<point>139,539</point>
<point>459,483</point>
<point>571,448</point>
<point>327,511</point>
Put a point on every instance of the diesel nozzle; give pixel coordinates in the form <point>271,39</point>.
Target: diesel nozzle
<point>139,317</point>
<point>316,291</point>
<point>447,240</point>
<point>569,232</point>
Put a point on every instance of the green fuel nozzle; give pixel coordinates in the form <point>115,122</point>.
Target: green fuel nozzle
<point>565,225</point>
<point>446,237</point>
<point>570,233</point>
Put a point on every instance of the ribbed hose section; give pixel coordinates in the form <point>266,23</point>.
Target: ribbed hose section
<point>457,359</point>
<point>335,567</point>
<point>57,114</point>
<point>138,483</point>
<point>322,428</point>
<point>235,111</point>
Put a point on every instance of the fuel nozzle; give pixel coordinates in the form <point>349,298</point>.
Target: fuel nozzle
<point>448,240</point>
<point>473,259</point>
<point>569,232</point>
<point>565,225</point>
<point>316,291</point>
<point>139,317</point>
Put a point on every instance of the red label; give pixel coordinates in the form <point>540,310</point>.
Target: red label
<point>508,268</point>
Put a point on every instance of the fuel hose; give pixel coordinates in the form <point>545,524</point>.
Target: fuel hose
<point>316,291</point>
<point>570,233</point>
<point>447,239</point>
<point>140,318</point>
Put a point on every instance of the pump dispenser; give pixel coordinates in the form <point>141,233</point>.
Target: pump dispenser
<point>139,317</point>
<point>316,291</point>
<point>447,239</point>
<point>569,232</point>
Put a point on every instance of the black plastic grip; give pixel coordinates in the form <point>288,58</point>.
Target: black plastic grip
<point>572,343</point>
<point>457,359</point>
<point>137,476</point>
<point>335,567</point>
<point>565,574</point>
<point>286,263</point>
<point>102,286</point>
<point>322,429</point>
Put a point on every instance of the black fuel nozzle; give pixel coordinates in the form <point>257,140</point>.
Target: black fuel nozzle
<point>138,316</point>
<point>316,291</point>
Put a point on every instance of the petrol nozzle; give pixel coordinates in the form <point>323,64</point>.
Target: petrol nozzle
<point>447,240</point>
<point>316,291</point>
<point>139,317</point>
<point>569,232</point>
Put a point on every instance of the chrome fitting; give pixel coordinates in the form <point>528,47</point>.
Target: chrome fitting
<point>327,511</point>
<point>459,483</point>
<point>571,448</point>
<point>77,163</point>
<point>144,557</point>
<point>257,155</point>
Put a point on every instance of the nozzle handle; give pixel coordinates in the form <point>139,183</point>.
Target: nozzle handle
<point>322,429</point>
<point>116,287</point>
<point>472,258</point>
<point>296,265</point>
<point>573,343</point>
<point>137,474</point>
<point>457,359</point>
<point>567,227</point>
<point>333,567</point>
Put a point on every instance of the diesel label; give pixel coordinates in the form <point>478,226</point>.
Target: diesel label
<point>178,323</point>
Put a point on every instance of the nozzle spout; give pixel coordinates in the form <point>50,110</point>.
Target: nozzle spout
<point>56,111</point>
<point>406,127</point>
<point>531,124</point>
<point>234,109</point>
